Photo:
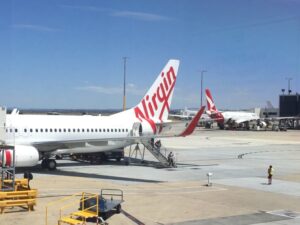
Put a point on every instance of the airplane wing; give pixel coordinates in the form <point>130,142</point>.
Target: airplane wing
<point>181,117</point>
<point>177,129</point>
<point>168,129</point>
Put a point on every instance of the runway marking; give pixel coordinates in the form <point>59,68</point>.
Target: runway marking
<point>240,156</point>
<point>285,213</point>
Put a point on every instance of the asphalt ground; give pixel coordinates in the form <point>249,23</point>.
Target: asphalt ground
<point>239,194</point>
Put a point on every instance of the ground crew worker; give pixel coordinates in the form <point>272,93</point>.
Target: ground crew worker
<point>270,174</point>
<point>171,159</point>
<point>158,145</point>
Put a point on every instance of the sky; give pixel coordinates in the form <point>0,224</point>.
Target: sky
<point>69,53</point>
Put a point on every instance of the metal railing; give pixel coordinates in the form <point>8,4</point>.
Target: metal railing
<point>74,202</point>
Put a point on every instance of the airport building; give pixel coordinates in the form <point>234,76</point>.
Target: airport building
<point>289,105</point>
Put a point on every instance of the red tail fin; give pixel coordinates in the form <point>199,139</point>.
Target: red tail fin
<point>211,107</point>
<point>192,125</point>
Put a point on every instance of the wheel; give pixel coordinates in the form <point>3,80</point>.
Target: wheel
<point>118,159</point>
<point>104,216</point>
<point>44,163</point>
<point>118,208</point>
<point>51,164</point>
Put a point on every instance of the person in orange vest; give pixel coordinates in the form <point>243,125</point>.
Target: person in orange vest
<point>270,174</point>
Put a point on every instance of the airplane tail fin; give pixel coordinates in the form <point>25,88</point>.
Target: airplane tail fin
<point>211,107</point>
<point>155,105</point>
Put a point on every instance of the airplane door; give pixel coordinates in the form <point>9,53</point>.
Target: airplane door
<point>136,129</point>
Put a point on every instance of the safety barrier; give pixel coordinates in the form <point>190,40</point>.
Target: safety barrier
<point>25,198</point>
<point>78,216</point>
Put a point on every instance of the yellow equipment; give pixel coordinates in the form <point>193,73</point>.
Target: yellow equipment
<point>21,196</point>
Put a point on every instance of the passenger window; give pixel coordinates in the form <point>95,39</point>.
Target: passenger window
<point>50,130</point>
<point>59,130</point>
<point>46,130</point>
<point>107,130</point>
<point>74,130</point>
<point>119,130</point>
<point>31,130</point>
<point>10,130</point>
<point>69,130</point>
<point>82,130</point>
<point>99,130</point>
<point>16,130</point>
<point>126,130</point>
<point>87,130</point>
<point>65,130</point>
<point>116,130</point>
<point>25,130</point>
<point>103,130</point>
<point>92,130</point>
<point>122,130</point>
<point>55,130</point>
<point>78,130</point>
<point>41,130</point>
<point>36,130</point>
<point>112,130</point>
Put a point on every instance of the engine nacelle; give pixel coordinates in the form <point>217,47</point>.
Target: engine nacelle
<point>25,156</point>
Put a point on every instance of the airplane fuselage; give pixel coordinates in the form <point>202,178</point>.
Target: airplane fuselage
<point>31,129</point>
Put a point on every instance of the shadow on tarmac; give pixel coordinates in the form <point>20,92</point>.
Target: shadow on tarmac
<point>38,170</point>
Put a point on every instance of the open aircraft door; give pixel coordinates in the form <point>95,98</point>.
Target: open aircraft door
<point>136,129</point>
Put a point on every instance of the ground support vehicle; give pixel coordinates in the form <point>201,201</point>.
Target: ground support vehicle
<point>99,157</point>
<point>109,200</point>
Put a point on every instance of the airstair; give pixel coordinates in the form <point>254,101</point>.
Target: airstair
<point>159,153</point>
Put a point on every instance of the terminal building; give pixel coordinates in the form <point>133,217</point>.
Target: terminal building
<point>289,105</point>
<point>288,111</point>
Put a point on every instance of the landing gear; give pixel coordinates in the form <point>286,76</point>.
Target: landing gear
<point>49,164</point>
<point>221,126</point>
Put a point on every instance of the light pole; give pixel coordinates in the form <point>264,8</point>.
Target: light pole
<point>289,84</point>
<point>124,84</point>
<point>202,71</point>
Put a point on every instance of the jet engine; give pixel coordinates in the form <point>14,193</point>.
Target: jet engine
<point>25,156</point>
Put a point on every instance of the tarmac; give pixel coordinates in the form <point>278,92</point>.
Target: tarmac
<point>238,194</point>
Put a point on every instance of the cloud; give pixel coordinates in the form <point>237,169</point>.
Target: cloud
<point>35,27</point>
<point>102,90</point>
<point>85,8</point>
<point>139,16</point>
<point>119,13</point>
<point>131,89</point>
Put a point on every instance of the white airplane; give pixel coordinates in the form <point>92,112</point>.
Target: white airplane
<point>188,114</point>
<point>230,118</point>
<point>185,114</point>
<point>38,137</point>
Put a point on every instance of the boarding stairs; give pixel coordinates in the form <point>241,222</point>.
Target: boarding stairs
<point>159,153</point>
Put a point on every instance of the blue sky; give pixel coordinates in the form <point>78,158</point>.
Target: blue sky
<point>68,53</point>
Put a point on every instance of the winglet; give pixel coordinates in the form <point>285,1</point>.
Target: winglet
<point>192,125</point>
